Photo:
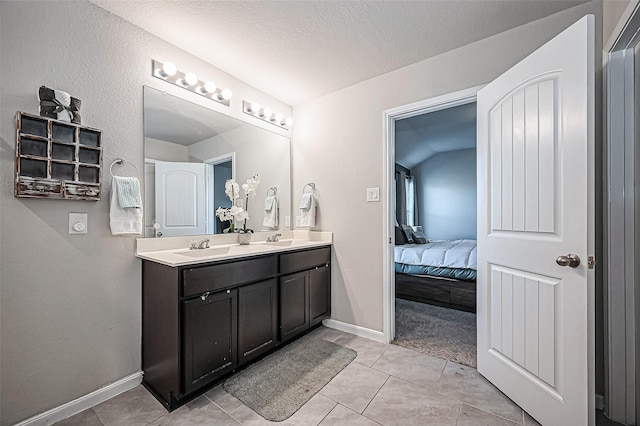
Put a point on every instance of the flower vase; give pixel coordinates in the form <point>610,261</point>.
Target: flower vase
<point>244,238</point>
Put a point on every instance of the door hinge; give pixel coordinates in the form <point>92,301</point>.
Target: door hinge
<point>591,262</point>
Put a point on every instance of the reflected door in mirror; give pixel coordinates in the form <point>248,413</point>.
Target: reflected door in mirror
<point>180,199</point>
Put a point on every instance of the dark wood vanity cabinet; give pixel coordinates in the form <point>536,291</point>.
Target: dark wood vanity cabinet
<point>257,319</point>
<point>294,299</point>
<point>209,333</point>
<point>305,296</point>
<point>200,323</point>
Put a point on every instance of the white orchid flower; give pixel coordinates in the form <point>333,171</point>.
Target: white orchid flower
<point>242,215</point>
<point>235,211</point>
<point>232,189</point>
<point>223,214</point>
<point>251,186</point>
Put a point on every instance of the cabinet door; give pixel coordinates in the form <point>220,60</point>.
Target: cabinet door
<point>257,319</point>
<point>319,294</point>
<point>209,330</point>
<point>294,300</point>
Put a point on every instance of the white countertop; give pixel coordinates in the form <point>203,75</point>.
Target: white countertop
<point>174,251</point>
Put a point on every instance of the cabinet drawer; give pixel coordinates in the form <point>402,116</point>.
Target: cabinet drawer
<point>301,260</point>
<point>209,278</point>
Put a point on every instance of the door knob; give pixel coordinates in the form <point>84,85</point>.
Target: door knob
<point>571,260</point>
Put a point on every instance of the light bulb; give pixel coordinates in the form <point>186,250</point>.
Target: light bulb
<point>190,79</point>
<point>267,113</point>
<point>254,107</point>
<point>168,69</point>
<point>277,118</point>
<point>226,94</point>
<point>209,87</point>
<point>288,122</point>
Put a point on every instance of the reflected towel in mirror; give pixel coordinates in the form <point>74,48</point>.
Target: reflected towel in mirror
<point>270,212</point>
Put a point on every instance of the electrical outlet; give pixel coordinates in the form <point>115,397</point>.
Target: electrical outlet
<point>287,221</point>
<point>298,220</point>
<point>77,223</point>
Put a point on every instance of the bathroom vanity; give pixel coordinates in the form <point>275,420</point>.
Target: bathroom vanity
<point>206,313</point>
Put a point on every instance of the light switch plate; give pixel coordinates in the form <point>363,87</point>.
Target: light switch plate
<point>77,223</point>
<point>373,194</point>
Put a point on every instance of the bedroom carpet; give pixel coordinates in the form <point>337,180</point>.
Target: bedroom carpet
<point>436,331</point>
<point>278,385</point>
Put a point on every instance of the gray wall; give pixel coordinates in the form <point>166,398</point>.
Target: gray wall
<point>352,144</point>
<point>447,195</point>
<point>70,305</point>
<point>612,11</point>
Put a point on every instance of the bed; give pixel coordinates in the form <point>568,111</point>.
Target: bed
<point>440,272</point>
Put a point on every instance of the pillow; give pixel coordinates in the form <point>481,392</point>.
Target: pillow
<point>401,238</point>
<point>419,236</point>
<point>408,232</point>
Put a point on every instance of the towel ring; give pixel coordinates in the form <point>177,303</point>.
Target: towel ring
<point>312,185</point>
<point>274,189</point>
<point>122,161</point>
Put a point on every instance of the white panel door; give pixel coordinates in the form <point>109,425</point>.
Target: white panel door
<point>535,171</point>
<point>180,199</point>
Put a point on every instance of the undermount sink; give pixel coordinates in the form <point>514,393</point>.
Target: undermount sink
<point>212,251</point>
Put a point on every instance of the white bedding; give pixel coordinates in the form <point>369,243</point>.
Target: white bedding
<point>440,253</point>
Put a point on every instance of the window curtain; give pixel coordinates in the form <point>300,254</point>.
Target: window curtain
<point>406,197</point>
<point>401,197</point>
<point>410,201</point>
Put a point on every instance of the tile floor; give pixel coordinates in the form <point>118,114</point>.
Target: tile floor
<point>384,385</point>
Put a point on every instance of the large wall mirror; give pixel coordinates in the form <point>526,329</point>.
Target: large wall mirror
<point>191,151</point>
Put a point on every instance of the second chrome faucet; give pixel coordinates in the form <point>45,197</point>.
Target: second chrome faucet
<point>197,245</point>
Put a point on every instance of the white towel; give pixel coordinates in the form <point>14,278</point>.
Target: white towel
<point>128,191</point>
<point>307,211</point>
<point>270,212</point>
<point>123,221</point>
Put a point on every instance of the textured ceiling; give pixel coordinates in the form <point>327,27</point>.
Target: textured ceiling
<point>298,50</point>
<point>423,136</point>
<point>172,119</point>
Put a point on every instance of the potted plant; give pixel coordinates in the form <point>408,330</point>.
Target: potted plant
<point>235,213</point>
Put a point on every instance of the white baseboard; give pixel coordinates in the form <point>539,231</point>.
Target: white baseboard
<point>87,401</point>
<point>378,336</point>
<point>599,402</point>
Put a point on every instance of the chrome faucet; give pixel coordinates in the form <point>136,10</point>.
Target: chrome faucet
<point>273,238</point>
<point>197,245</point>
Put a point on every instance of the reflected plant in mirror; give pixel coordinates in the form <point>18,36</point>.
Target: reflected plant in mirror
<point>237,213</point>
<point>190,153</point>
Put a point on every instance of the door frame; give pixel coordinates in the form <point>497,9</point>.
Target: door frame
<point>390,116</point>
<point>621,173</point>
<point>210,163</point>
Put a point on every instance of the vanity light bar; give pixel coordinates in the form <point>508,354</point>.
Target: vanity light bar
<point>167,71</point>
<point>265,114</point>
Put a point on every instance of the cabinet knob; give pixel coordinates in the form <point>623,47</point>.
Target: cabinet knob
<point>204,296</point>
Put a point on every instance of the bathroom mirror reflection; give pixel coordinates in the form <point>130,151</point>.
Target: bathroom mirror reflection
<point>190,152</point>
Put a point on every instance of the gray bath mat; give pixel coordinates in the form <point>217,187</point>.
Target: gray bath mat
<point>277,386</point>
<point>440,332</point>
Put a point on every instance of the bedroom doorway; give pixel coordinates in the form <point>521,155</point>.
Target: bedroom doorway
<point>435,235</point>
<point>393,118</point>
